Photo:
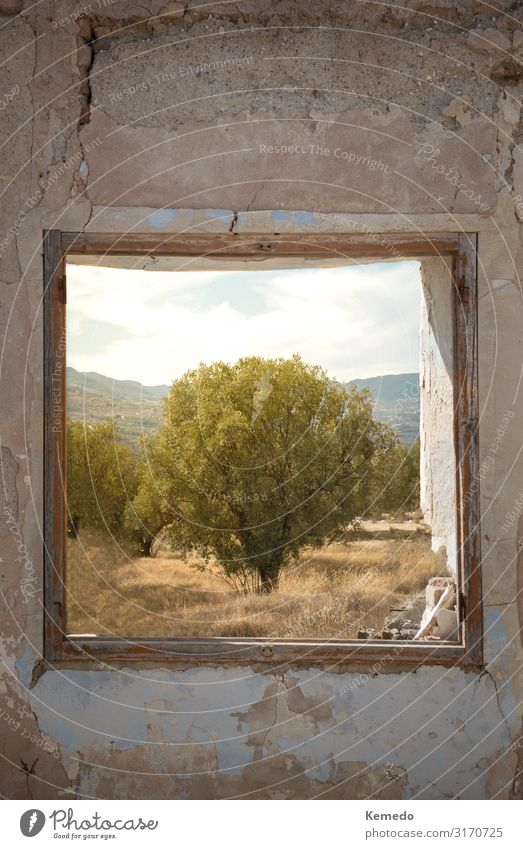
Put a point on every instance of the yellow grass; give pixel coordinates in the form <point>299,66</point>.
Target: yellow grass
<point>327,594</point>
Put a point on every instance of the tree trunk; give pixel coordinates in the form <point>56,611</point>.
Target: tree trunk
<point>147,544</point>
<point>73,523</point>
<point>269,575</point>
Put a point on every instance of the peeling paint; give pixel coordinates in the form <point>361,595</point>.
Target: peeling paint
<point>25,664</point>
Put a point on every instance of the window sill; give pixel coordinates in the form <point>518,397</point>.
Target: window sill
<point>384,655</point>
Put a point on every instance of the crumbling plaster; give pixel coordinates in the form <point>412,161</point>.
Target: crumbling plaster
<point>96,138</point>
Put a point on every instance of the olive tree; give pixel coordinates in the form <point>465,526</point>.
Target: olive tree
<point>397,478</point>
<point>257,460</point>
<point>146,515</point>
<point>101,477</point>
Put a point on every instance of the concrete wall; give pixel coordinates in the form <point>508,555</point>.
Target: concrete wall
<point>438,457</point>
<point>121,136</point>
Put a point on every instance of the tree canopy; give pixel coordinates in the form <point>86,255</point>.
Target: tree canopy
<point>256,460</point>
<point>101,477</point>
<point>396,479</point>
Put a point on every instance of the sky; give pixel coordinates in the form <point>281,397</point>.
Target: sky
<point>355,321</point>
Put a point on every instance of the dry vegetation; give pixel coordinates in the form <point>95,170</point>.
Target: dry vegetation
<point>327,594</point>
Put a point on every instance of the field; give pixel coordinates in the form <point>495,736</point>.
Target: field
<point>326,594</point>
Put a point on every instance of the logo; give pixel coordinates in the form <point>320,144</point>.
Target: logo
<point>32,822</point>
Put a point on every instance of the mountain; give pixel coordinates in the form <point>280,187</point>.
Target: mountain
<point>390,387</point>
<point>94,397</point>
<point>121,390</point>
<point>396,402</point>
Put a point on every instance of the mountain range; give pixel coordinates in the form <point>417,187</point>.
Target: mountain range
<point>94,397</point>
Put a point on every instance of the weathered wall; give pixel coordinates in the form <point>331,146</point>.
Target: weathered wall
<point>438,457</point>
<point>119,136</point>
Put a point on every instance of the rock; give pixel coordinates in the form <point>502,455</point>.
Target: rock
<point>410,616</point>
<point>435,589</point>
<point>445,626</point>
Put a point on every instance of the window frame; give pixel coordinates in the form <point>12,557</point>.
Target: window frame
<point>462,248</point>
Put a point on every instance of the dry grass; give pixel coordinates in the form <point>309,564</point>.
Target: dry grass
<point>327,594</point>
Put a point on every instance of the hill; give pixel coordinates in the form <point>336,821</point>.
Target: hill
<point>137,408</point>
<point>93,398</point>
<point>396,402</point>
<point>121,390</point>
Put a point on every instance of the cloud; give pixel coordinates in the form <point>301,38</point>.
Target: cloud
<point>356,321</point>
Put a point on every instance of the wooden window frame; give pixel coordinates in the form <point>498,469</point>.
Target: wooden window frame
<point>462,247</point>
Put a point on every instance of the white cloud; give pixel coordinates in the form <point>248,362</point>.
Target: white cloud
<point>152,326</point>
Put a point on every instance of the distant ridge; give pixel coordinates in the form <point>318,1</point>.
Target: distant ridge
<point>120,390</point>
<point>390,387</point>
<point>396,402</point>
<point>95,397</point>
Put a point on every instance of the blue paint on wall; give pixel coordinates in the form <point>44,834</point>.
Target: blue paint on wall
<point>304,219</point>
<point>495,632</point>
<point>219,213</point>
<point>162,217</point>
<point>233,756</point>
<point>281,216</point>
<point>25,663</point>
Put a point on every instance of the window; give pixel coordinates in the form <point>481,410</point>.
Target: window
<point>64,617</point>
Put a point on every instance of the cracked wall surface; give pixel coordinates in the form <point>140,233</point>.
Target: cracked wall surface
<point>262,117</point>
